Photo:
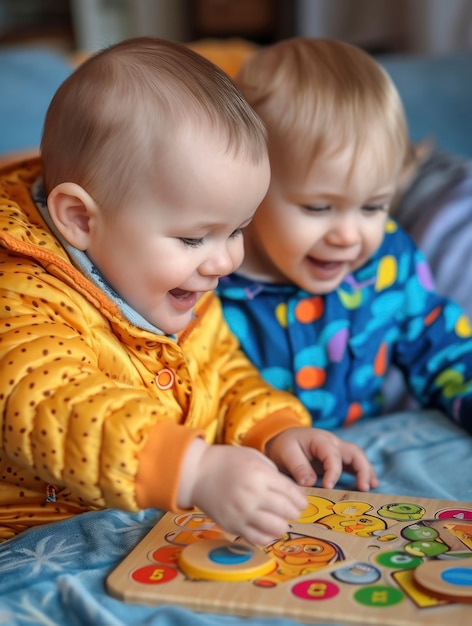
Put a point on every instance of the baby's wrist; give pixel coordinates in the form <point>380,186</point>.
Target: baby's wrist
<point>190,472</point>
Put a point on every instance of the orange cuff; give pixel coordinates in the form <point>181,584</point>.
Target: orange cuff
<point>267,428</point>
<point>160,464</point>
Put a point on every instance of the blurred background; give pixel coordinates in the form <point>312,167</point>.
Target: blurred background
<point>410,26</point>
<point>425,45</point>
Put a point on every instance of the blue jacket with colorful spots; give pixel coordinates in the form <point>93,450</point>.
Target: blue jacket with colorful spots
<point>333,351</point>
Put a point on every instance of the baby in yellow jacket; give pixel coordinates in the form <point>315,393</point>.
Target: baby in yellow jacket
<point>118,371</point>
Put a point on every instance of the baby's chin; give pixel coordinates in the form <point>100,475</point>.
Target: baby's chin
<point>170,323</point>
<point>176,326</point>
<point>320,287</point>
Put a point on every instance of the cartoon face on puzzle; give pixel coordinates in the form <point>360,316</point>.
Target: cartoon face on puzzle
<point>401,511</point>
<point>297,554</point>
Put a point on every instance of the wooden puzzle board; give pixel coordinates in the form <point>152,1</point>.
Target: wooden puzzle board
<point>352,558</point>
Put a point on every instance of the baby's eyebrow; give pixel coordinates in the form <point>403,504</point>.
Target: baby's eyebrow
<point>386,192</point>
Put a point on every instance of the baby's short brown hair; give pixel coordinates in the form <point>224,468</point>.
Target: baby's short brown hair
<point>111,121</point>
<point>318,95</point>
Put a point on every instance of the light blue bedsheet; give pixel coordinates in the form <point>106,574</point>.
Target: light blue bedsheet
<point>56,574</point>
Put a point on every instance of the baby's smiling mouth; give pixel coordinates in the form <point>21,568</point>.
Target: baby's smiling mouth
<point>181,294</point>
<point>325,270</point>
<point>183,300</point>
<point>328,265</point>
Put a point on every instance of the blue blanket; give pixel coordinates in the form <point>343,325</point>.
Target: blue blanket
<point>56,574</point>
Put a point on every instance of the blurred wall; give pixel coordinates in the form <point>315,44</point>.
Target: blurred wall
<point>99,23</point>
<point>421,26</point>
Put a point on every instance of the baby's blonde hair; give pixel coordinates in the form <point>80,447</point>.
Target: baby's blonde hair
<point>317,96</point>
<point>113,119</point>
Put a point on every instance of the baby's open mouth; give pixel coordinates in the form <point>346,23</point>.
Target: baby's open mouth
<point>325,265</point>
<point>183,300</point>
<point>180,293</point>
<point>325,270</point>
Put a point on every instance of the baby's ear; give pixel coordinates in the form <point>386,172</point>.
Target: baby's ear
<point>71,208</point>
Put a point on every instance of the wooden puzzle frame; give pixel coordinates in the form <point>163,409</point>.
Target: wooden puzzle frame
<point>352,558</point>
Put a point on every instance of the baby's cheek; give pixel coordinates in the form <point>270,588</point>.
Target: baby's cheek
<point>237,254</point>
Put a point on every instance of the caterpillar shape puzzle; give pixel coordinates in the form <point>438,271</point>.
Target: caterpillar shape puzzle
<point>351,558</point>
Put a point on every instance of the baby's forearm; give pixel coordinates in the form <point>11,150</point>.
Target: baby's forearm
<point>189,472</point>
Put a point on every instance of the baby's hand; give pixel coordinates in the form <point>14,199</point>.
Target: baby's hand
<point>297,451</point>
<point>242,491</point>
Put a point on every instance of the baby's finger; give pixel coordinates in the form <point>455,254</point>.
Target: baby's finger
<point>303,473</point>
<point>295,462</point>
<point>266,529</point>
<point>282,498</point>
<point>333,467</point>
<point>366,478</point>
<point>358,464</point>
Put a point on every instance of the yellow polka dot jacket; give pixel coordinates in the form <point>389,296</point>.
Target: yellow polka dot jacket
<point>82,388</point>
